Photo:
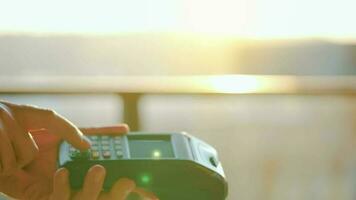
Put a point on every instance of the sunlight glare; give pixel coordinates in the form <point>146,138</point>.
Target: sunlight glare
<point>241,18</point>
<point>245,84</point>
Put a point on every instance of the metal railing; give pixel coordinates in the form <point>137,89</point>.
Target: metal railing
<point>131,88</point>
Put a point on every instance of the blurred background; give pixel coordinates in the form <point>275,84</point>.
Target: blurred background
<point>271,84</point>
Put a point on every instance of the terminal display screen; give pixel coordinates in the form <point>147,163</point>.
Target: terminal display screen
<point>150,147</point>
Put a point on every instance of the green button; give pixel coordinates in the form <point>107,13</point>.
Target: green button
<point>80,155</point>
<point>74,154</point>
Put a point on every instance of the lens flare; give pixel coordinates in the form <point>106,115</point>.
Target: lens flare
<point>156,154</point>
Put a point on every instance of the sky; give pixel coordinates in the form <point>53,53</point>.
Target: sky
<point>241,18</point>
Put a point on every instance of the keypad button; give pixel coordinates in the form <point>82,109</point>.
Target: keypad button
<point>119,154</point>
<point>95,148</point>
<point>105,147</point>
<point>85,154</point>
<point>72,149</point>
<point>118,147</point>
<point>94,142</point>
<point>117,141</point>
<point>94,137</point>
<point>73,155</point>
<point>105,137</point>
<point>106,154</point>
<point>80,155</point>
<point>95,154</point>
<point>105,142</point>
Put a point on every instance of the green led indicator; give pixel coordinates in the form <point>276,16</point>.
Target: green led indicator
<point>145,179</point>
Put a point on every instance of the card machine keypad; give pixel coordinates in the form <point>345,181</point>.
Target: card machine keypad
<point>102,147</point>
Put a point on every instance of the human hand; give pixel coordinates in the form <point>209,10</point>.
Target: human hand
<point>28,161</point>
<point>92,187</point>
<point>25,161</point>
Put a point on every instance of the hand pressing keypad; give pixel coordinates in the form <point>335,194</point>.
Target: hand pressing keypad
<point>102,147</point>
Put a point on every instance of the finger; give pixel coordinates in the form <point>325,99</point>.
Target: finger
<point>120,129</point>
<point>93,183</point>
<point>7,155</point>
<point>61,188</point>
<point>24,146</point>
<point>122,188</point>
<point>33,118</point>
<point>145,194</point>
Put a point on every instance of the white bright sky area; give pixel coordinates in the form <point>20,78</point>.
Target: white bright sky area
<point>243,18</point>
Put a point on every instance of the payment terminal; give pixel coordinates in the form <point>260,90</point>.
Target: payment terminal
<point>174,166</point>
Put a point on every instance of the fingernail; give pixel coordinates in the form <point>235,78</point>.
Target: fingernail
<point>62,175</point>
<point>85,143</point>
<point>99,172</point>
<point>126,127</point>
